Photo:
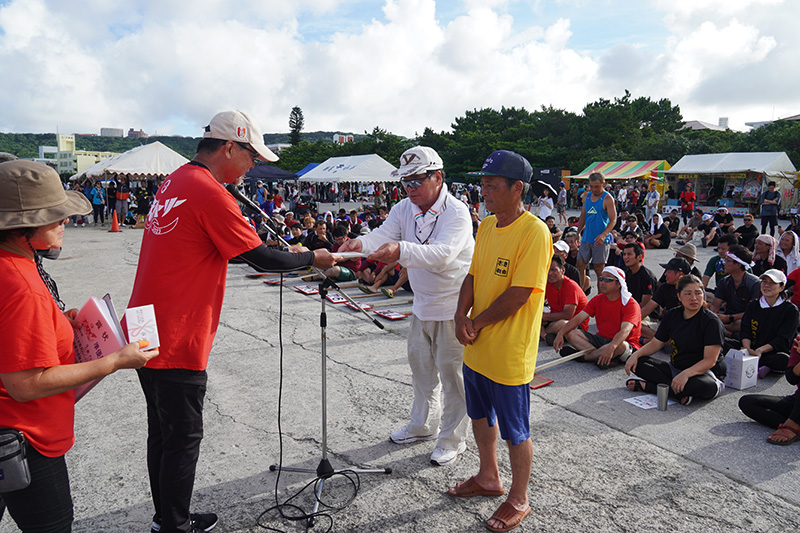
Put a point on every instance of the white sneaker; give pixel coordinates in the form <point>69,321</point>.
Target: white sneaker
<point>402,436</point>
<point>442,457</point>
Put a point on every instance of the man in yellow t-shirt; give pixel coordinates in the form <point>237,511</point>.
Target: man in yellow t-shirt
<point>498,318</point>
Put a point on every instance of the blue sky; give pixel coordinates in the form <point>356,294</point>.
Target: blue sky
<point>401,65</point>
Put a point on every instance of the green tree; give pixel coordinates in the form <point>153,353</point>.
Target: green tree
<point>296,123</point>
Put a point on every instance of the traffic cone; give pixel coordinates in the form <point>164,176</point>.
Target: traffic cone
<point>114,223</point>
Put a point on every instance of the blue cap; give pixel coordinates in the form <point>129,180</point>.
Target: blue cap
<point>508,164</point>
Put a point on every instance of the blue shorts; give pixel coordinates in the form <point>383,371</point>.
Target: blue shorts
<point>509,405</point>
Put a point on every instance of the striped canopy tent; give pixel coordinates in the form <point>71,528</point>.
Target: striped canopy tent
<point>626,170</point>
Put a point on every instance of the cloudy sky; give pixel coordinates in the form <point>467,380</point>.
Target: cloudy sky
<point>167,66</point>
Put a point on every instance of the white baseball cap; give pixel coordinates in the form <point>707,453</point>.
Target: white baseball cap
<point>562,246</point>
<point>238,127</point>
<point>418,160</point>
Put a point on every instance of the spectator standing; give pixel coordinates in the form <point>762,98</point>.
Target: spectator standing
<point>498,319</point>
<point>597,219</point>
<point>651,202</point>
<point>429,233</point>
<point>561,203</point>
<point>98,197</point>
<point>687,202</point>
<point>770,204</point>
<point>203,228</point>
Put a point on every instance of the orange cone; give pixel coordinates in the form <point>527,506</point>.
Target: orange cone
<point>114,223</point>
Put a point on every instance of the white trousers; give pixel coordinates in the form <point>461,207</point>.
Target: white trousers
<point>436,357</point>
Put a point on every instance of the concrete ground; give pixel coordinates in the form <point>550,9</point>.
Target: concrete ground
<point>600,463</point>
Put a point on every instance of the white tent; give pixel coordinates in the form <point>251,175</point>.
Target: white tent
<point>147,161</point>
<point>772,164</point>
<point>370,167</point>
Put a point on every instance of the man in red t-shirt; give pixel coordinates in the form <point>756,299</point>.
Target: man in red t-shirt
<point>193,229</point>
<point>618,318</point>
<point>687,202</point>
<point>564,297</point>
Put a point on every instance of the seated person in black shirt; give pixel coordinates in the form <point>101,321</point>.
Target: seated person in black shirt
<point>770,325</point>
<point>615,252</point>
<point>694,337</point>
<point>725,220</point>
<point>673,222</point>
<point>622,221</point>
<point>665,296</point>
<point>320,238</point>
<point>659,235</point>
<point>747,233</point>
<point>561,249</point>
<point>551,225</point>
<point>710,231</point>
<point>778,412</point>
<point>296,231</point>
<point>794,226</point>
<point>735,290</point>
<point>766,255</point>
<point>640,280</point>
<point>573,240</point>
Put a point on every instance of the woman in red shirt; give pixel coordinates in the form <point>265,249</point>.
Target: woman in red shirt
<point>37,368</point>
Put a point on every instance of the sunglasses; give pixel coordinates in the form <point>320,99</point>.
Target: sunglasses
<point>607,280</point>
<point>252,152</point>
<point>413,184</point>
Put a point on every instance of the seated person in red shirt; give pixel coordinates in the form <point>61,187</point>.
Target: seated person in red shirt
<point>618,318</point>
<point>565,298</point>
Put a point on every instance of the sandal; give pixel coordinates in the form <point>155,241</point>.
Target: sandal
<point>509,515</point>
<point>638,385</point>
<point>365,289</point>
<point>387,292</point>
<point>782,431</point>
<point>470,488</point>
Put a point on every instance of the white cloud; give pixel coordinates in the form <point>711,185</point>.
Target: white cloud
<point>160,66</point>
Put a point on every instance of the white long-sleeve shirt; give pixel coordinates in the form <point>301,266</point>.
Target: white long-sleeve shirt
<point>436,247</point>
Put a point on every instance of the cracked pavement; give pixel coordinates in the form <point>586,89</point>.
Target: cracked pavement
<point>600,463</point>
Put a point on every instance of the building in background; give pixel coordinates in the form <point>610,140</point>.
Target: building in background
<point>112,132</point>
<point>140,134</point>
<point>340,138</point>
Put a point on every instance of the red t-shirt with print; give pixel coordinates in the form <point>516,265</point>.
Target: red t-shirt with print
<point>193,228</point>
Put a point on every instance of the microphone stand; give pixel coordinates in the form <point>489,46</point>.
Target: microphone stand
<point>324,469</point>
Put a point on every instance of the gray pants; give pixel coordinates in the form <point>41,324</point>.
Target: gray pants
<point>435,357</point>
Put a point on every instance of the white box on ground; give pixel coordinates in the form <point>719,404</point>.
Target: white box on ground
<point>742,369</point>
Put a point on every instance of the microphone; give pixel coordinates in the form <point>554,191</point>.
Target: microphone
<point>250,204</point>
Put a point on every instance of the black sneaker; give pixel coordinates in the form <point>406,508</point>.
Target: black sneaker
<point>201,522</point>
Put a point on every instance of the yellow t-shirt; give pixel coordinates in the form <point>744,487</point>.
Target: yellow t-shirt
<point>517,255</point>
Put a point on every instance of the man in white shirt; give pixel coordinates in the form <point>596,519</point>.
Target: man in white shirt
<point>651,202</point>
<point>429,233</point>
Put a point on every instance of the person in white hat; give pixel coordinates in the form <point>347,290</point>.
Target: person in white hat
<point>429,233</point>
<point>193,229</point>
<point>725,220</point>
<point>619,323</point>
<point>37,370</point>
<point>769,324</point>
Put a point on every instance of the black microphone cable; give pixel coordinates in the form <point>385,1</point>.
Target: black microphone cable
<point>288,510</point>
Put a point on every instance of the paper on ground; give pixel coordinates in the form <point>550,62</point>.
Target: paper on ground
<point>647,401</point>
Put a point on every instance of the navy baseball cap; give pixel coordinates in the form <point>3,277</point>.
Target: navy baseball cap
<point>508,164</point>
